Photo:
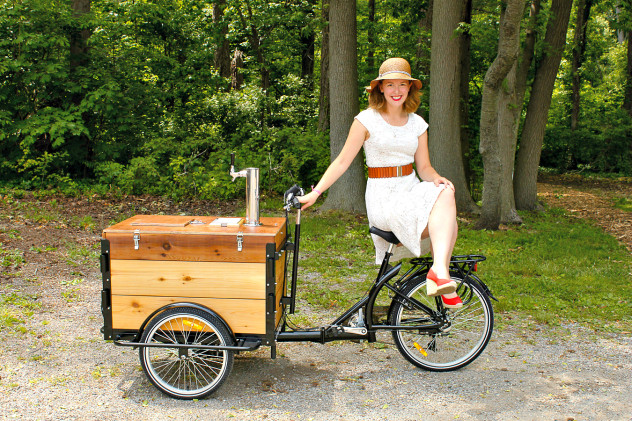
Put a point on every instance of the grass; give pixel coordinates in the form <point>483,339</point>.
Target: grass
<point>556,269</point>
<point>553,268</point>
<point>623,203</point>
<point>15,308</point>
<point>11,258</point>
<point>77,254</point>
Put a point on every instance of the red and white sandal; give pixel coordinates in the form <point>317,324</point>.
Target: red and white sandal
<point>436,286</point>
<point>454,302</point>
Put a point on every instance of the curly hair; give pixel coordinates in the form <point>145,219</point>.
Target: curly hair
<point>378,102</point>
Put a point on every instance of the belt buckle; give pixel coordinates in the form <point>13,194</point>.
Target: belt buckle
<point>399,171</point>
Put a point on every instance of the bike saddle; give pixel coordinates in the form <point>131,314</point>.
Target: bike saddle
<point>386,235</point>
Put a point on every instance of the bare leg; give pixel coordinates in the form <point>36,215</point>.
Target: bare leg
<point>443,230</point>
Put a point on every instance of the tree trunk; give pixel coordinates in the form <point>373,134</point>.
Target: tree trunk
<point>79,58</point>
<point>526,174</point>
<point>370,56</point>
<point>308,41</point>
<point>627,102</point>
<point>237,79</point>
<point>255,43</point>
<point>579,48</point>
<point>444,133</point>
<point>527,54</point>
<point>79,38</point>
<point>509,110</point>
<point>464,86</point>
<point>307,57</point>
<point>422,65</point>
<point>323,98</point>
<point>348,192</point>
<point>221,60</point>
<point>491,147</point>
<point>511,102</point>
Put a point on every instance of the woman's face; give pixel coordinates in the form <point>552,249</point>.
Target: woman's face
<point>395,91</point>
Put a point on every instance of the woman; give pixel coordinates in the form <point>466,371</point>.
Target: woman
<point>420,214</point>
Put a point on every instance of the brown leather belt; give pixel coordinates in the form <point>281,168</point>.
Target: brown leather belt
<point>387,172</point>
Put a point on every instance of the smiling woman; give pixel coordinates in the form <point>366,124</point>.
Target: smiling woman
<point>421,214</point>
<point>398,83</point>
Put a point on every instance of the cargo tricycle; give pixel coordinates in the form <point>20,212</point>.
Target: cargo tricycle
<point>190,292</point>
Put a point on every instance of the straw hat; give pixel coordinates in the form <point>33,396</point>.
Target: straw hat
<point>394,68</point>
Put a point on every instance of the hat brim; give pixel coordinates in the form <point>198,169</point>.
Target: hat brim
<point>392,76</point>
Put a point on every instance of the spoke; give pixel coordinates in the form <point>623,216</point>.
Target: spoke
<point>161,334</point>
<point>209,364</point>
<point>203,373</point>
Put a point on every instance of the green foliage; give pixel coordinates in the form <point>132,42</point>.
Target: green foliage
<point>603,140</point>
<point>606,147</point>
<point>149,113</point>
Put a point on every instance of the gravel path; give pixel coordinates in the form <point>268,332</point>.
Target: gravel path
<point>62,369</point>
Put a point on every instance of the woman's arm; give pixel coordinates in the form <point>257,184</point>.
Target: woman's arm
<point>422,161</point>
<point>357,135</point>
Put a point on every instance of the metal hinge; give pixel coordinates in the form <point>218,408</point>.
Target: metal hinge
<point>240,240</point>
<point>136,239</point>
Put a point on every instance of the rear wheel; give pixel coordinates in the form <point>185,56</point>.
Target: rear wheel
<point>464,334</point>
<point>186,373</point>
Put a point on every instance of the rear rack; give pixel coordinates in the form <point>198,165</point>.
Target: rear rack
<point>460,259</point>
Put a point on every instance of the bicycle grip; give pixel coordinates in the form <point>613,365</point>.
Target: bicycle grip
<point>292,190</point>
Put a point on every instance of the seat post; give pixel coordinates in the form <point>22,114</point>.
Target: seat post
<point>387,257</point>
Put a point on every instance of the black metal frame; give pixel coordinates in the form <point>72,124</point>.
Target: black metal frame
<point>461,266</point>
<point>106,296</point>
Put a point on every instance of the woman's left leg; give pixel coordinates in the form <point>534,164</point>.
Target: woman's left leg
<point>443,231</point>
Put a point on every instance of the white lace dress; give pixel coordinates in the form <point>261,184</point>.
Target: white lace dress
<point>398,204</point>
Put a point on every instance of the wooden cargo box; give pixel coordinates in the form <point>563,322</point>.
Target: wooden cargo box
<point>155,260</point>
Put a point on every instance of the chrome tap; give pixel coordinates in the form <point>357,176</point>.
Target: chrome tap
<point>252,191</point>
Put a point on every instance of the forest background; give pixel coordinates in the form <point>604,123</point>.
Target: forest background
<point>151,97</point>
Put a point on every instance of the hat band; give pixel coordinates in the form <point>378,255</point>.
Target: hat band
<point>395,71</point>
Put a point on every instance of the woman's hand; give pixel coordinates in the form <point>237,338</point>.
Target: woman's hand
<point>442,180</point>
<point>308,200</point>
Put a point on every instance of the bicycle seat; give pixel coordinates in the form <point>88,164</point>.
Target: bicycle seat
<point>386,235</point>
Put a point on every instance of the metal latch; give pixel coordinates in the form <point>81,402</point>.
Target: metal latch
<point>136,239</point>
<point>240,240</point>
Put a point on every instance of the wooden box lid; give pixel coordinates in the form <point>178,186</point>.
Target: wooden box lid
<point>192,238</point>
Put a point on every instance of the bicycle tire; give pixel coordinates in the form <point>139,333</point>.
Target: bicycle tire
<point>468,334</point>
<point>186,373</point>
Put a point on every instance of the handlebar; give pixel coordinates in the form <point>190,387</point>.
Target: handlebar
<point>290,197</point>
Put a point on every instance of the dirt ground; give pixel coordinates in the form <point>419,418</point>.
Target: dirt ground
<point>591,200</point>
<point>56,366</point>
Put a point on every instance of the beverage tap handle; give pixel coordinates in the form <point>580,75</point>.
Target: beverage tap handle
<point>234,174</point>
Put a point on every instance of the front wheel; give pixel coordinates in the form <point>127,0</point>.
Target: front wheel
<point>463,335</point>
<point>186,373</point>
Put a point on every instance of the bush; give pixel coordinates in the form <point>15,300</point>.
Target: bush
<point>606,147</point>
